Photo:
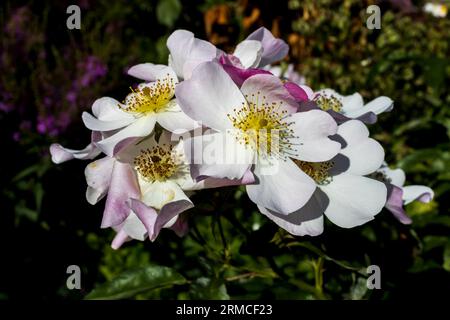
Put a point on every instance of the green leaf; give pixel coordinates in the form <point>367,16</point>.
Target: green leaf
<point>168,11</point>
<point>206,289</point>
<point>132,282</point>
<point>432,242</point>
<point>446,263</point>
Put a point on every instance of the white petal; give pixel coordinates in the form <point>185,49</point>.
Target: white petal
<point>209,95</point>
<point>60,154</point>
<point>284,189</point>
<point>175,120</point>
<point>249,53</point>
<point>365,155</point>
<point>312,129</point>
<point>416,192</point>
<point>158,194</point>
<point>152,72</point>
<point>218,155</point>
<point>140,128</point>
<point>134,227</point>
<point>352,103</point>
<point>306,221</point>
<point>98,125</point>
<point>377,106</point>
<point>353,200</point>
<point>109,109</point>
<point>397,176</point>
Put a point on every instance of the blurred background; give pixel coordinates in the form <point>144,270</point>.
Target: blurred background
<point>50,75</point>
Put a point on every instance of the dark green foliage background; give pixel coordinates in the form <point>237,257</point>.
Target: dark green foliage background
<point>231,251</point>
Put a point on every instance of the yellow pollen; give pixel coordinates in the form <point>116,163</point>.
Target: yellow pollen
<point>318,171</point>
<point>158,163</point>
<point>326,103</point>
<point>151,99</point>
<point>262,125</point>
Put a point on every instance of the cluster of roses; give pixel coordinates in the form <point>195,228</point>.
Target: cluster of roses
<point>211,119</point>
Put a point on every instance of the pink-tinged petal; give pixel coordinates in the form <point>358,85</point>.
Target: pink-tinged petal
<point>120,238</point>
<point>312,129</point>
<point>304,106</point>
<point>269,89</point>
<point>292,75</point>
<point>209,95</point>
<point>60,154</point>
<point>306,221</point>
<point>249,53</point>
<point>368,118</point>
<point>273,49</point>
<point>98,178</point>
<point>123,186</point>
<point>282,188</point>
<point>395,204</point>
<point>175,120</point>
<point>217,155</point>
<point>140,128</point>
<point>239,75</point>
<point>420,193</point>
<point>209,183</point>
<point>365,154</point>
<point>201,51</point>
<point>152,72</point>
<point>296,91</point>
<point>154,221</point>
<point>353,199</point>
<point>187,52</point>
<point>181,226</point>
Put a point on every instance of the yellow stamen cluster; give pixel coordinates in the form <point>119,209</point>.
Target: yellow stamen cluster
<point>318,171</point>
<point>328,102</point>
<point>262,125</point>
<point>151,99</point>
<point>158,163</point>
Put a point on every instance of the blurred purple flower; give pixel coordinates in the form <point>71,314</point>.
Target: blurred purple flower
<point>92,69</point>
<point>5,107</point>
<point>16,136</point>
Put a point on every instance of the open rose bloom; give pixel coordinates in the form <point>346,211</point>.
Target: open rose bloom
<point>210,119</point>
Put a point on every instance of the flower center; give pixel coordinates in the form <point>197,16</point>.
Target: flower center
<point>262,126</point>
<point>318,171</point>
<point>158,163</point>
<point>151,99</point>
<point>328,102</point>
